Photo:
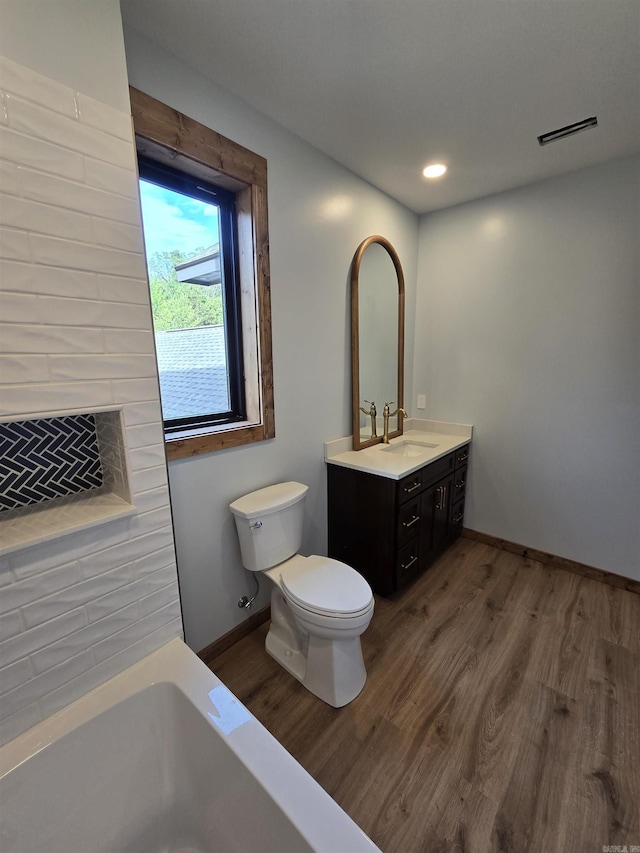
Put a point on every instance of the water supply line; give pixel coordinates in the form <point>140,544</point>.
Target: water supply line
<point>246,602</point>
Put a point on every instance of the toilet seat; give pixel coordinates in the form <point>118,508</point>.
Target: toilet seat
<point>324,586</point>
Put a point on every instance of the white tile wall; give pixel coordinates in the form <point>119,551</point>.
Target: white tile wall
<point>76,336</point>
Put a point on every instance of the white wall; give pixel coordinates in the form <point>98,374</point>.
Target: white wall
<point>318,215</point>
<point>528,327</point>
<point>76,335</point>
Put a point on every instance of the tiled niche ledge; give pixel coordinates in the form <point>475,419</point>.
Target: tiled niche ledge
<point>40,510</point>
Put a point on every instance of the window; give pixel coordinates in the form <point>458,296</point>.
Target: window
<point>205,221</point>
<point>189,229</point>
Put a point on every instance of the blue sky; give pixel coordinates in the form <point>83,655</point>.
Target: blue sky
<point>174,221</point>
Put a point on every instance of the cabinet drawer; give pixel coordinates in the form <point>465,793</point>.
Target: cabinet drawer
<point>409,487</point>
<point>407,563</point>
<point>408,521</point>
<point>459,483</point>
<point>462,456</point>
<point>435,471</point>
<point>457,517</point>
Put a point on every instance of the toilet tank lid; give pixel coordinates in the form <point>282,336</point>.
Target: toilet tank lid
<point>269,499</point>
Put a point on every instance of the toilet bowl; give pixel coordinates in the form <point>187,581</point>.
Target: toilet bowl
<point>319,606</point>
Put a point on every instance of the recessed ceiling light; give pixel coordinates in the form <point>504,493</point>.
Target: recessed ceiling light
<point>435,170</point>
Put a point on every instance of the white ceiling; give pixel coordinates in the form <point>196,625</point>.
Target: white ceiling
<point>386,86</point>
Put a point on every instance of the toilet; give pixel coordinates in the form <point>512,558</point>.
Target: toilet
<point>319,606</point>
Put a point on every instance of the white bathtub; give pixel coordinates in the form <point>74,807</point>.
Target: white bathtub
<point>161,759</point>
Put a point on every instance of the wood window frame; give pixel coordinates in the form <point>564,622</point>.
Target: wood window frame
<point>167,136</point>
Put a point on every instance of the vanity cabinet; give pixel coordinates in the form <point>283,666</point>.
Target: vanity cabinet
<point>392,530</point>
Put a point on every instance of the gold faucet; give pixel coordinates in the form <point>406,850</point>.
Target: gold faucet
<point>386,414</point>
<point>372,414</point>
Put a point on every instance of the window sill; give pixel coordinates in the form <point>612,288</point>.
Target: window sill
<point>34,525</point>
<point>194,442</point>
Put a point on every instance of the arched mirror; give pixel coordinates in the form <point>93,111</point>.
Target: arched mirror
<point>377,340</point>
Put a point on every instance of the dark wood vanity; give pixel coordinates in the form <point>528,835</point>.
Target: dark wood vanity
<point>392,530</point>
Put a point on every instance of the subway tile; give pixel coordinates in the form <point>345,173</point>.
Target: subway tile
<point>81,256</point>
<point>142,413</point>
<point>76,688</point>
<point>11,625</point>
<point>67,367</point>
<point>9,179</point>
<point>117,235</point>
<point>163,558</point>
<point>14,674</point>
<point>167,632</point>
<point>45,219</point>
<point>87,312</point>
<point>77,595</point>
<point>113,601</point>
<point>14,245</point>
<point>45,583</point>
<point>152,500</point>
<point>6,575</point>
<point>123,552</point>
<point>128,290</point>
<point>94,632</point>
<point>17,307</point>
<point>69,133</point>
<point>147,457</point>
<point>135,390</point>
<point>53,678</point>
<point>19,722</point>
<point>104,117</point>
<point>119,315</point>
<point>17,337</point>
<point>84,543</point>
<point>129,340</point>
<point>134,633</point>
<point>159,598</point>
<point>29,84</point>
<point>40,154</point>
<point>144,435</point>
<point>104,176</point>
<point>54,397</point>
<point>79,197</point>
<point>148,478</point>
<point>33,279</point>
<point>44,635</point>
<point>20,368</point>
<point>146,522</point>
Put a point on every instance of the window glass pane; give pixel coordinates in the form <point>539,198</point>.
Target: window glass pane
<point>182,239</point>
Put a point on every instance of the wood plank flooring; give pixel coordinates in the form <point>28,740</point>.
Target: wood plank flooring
<point>501,712</point>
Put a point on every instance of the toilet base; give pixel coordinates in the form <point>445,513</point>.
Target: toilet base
<point>333,670</point>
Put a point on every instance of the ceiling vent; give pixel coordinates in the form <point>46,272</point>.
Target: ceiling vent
<point>569,130</point>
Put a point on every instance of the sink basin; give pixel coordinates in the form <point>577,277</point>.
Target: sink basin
<point>407,448</point>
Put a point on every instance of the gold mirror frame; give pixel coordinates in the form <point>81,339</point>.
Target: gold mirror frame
<point>355,341</point>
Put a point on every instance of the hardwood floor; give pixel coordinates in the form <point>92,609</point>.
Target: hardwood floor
<point>501,711</point>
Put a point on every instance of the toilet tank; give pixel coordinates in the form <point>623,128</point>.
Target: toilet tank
<point>269,523</point>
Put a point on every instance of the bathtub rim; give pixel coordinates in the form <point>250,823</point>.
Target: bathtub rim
<point>318,818</point>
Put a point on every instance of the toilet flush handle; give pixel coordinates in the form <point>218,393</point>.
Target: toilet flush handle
<point>255,526</point>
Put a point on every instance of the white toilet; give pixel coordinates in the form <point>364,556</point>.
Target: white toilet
<point>319,606</point>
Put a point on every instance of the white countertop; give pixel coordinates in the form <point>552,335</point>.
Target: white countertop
<point>425,440</point>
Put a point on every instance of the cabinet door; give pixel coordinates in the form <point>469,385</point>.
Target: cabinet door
<point>435,513</point>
